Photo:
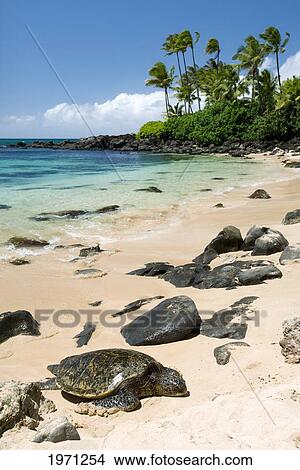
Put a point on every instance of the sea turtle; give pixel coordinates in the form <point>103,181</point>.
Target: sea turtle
<point>113,380</point>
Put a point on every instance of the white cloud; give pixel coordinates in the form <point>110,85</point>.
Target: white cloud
<point>19,119</point>
<point>125,113</point>
<point>291,66</point>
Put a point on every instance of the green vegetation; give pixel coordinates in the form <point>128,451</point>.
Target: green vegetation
<point>151,129</point>
<point>240,100</point>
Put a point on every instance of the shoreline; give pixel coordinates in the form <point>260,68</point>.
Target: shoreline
<point>129,143</point>
<point>209,418</point>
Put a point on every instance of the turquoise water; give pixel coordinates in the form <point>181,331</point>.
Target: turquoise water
<point>42,180</point>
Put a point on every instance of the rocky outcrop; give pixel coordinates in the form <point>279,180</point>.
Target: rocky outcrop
<point>23,242</point>
<point>150,189</point>
<point>17,323</point>
<point>57,430</point>
<point>90,251</point>
<point>230,322</point>
<point>20,405</point>
<point>229,275</point>
<point>292,165</point>
<point>291,254</point>
<point>174,319</point>
<point>4,207</point>
<point>229,239</point>
<point>129,143</point>
<point>292,217</point>
<point>264,241</point>
<point>153,269</point>
<point>73,213</point>
<point>260,194</point>
<point>290,342</point>
<point>19,261</point>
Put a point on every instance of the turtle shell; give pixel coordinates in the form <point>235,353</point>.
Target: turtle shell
<point>97,374</point>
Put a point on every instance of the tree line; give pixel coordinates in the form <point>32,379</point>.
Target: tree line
<point>221,82</point>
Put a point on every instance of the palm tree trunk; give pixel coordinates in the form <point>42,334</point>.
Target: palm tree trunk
<point>185,68</point>
<point>253,86</point>
<point>167,101</point>
<point>278,70</point>
<point>180,73</point>
<point>195,68</point>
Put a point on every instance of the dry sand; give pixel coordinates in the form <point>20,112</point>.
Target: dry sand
<point>252,402</point>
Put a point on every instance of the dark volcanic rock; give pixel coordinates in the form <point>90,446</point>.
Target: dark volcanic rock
<point>85,335</point>
<point>90,251</point>
<point>260,194</point>
<point>291,254</point>
<point>73,213</point>
<point>264,241</point>
<point>153,269</point>
<point>19,261</point>
<point>292,217</point>
<point>219,205</point>
<point>221,324</point>
<point>136,304</point>
<point>223,353</point>
<point>292,165</point>
<point>228,275</point>
<point>229,239</point>
<point>17,323</point>
<point>251,277</point>
<point>67,214</point>
<point>23,242</point>
<point>181,276</point>
<point>174,319</point>
<point>252,235</point>
<point>150,189</point>
<point>290,342</point>
<point>96,303</point>
<point>206,257</point>
<point>4,207</point>
<point>106,209</point>
<point>271,242</point>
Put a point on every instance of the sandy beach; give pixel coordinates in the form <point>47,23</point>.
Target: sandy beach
<point>250,403</point>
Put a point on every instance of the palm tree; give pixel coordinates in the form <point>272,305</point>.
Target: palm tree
<point>161,77</point>
<point>213,47</point>
<point>189,41</point>
<point>267,86</point>
<point>221,83</point>
<point>290,93</point>
<point>185,93</point>
<point>251,56</point>
<point>276,45</point>
<point>172,46</point>
<point>176,110</point>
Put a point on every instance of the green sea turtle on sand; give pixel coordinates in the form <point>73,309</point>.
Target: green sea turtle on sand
<point>110,380</point>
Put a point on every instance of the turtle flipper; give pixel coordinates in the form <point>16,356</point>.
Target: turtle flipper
<point>123,400</point>
<point>48,384</point>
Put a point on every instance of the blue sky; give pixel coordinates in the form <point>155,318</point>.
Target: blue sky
<point>102,50</point>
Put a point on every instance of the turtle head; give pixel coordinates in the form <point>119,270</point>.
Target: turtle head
<point>54,368</point>
<point>170,383</point>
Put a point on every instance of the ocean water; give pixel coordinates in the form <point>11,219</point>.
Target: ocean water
<point>43,180</point>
